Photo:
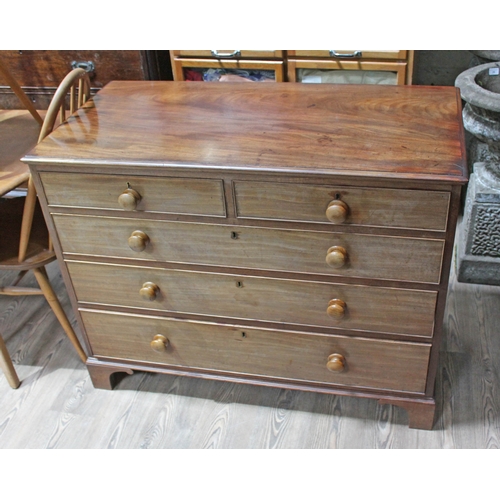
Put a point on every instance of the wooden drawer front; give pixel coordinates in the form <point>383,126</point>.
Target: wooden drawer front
<point>345,71</point>
<point>164,195</point>
<point>399,366</point>
<point>285,301</point>
<point>399,208</point>
<point>179,65</point>
<point>405,259</point>
<point>344,54</point>
<point>230,54</point>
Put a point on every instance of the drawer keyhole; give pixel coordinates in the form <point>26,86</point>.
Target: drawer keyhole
<point>234,235</point>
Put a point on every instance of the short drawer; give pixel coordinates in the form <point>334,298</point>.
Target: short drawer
<point>163,195</point>
<point>366,256</point>
<point>364,363</point>
<point>347,71</point>
<point>226,70</point>
<point>350,54</point>
<point>353,307</point>
<point>229,54</point>
<point>398,208</point>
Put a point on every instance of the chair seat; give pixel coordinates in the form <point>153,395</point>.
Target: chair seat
<point>24,238</point>
<point>38,253</point>
<point>18,135</point>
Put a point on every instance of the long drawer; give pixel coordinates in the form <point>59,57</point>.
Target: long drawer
<point>380,207</point>
<point>161,195</point>
<point>374,309</point>
<point>374,364</point>
<point>366,256</point>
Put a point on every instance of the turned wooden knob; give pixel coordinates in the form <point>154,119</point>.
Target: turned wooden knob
<point>336,257</point>
<point>159,343</point>
<point>149,291</point>
<point>336,308</point>
<point>138,241</point>
<point>129,199</point>
<point>337,211</point>
<point>335,363</point>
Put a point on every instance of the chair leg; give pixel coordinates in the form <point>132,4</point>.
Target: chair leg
<point>43,281</point>
<point>7,366</point>
<point>27,221</point>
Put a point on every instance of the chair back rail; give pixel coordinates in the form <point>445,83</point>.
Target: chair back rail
<point>77,79</point>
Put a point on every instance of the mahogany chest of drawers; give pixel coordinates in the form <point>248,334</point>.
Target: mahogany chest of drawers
<point>276,234</point>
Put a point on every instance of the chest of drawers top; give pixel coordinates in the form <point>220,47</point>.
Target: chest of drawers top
<point>390,132</point>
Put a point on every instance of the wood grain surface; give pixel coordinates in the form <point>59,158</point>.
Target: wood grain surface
<point>372,364</point>
<point>262,299</point>
<point>386,131</point>
<point>171,195</point>
<point>376,257</point>
<point>397,208</point>
<point>57,407</point>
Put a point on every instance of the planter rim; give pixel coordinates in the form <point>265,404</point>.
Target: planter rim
<point>492,55</point>
<point>473,93</point>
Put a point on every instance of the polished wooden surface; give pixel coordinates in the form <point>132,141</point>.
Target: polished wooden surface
<point>138,241</point>
<point>148,291</point>
<point>246,247</point>
<point>336,308</point>
<point>175,195</point>
<point>309,128</point>
<point>159,342</point>
<point>378,207</point>
<point>336,363</point>
<point>337,257</point>
<point>262,299</point>
<point>337,211</point>
<point>390,365</point>
<point>129,199</point>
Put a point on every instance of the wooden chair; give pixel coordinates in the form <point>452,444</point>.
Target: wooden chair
<point>24,240</point>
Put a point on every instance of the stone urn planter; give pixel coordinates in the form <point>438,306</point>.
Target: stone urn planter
<point>478,241</point>
<point>486,56</point>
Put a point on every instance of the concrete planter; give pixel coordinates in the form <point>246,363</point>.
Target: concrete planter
<point>486,56</point>
<point>478,240</point>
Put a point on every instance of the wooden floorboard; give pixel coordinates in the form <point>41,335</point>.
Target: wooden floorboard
<point>56,405</point>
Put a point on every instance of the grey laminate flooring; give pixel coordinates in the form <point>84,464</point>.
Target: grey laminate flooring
<point>57,407</point>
